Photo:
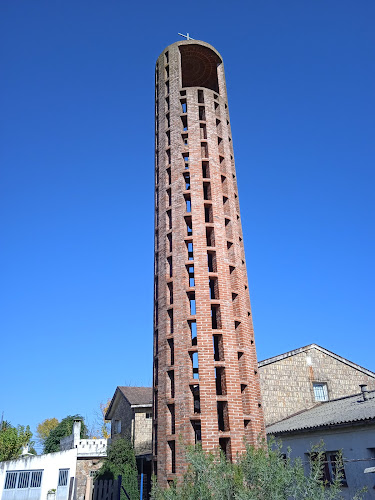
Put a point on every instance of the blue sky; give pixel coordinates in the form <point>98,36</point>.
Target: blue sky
<point>76,199</point>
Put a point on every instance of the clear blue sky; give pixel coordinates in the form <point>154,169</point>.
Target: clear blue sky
<point>76,200</point>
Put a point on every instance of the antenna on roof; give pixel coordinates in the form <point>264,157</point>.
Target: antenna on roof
<point>187,36</point>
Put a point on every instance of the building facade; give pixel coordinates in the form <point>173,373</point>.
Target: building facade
<point>298,379</point>
<point>206,381</point>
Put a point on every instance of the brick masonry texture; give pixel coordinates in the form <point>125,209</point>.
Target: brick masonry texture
<point>287,384</point>
<point>199,256</point>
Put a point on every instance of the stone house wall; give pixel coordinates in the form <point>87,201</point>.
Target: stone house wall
<point>84,481</point>
<point>287,384</point>
<point>124,413</point>
<point>143,431</point>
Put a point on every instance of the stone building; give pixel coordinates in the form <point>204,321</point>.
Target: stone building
<point>297,379</point>
<point>346,424</point>
<point>206,382</point>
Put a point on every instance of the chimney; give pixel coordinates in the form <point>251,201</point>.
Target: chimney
<point>76,432</point>
<point>364,391</point>
<point>25,450</point>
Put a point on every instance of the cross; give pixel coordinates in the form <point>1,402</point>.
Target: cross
<point>186,36</point>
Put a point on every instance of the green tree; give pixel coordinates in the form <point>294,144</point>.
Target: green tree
<point>261,473</point>
<point>44,428</point>
<point>121,461</point>
<point>12,439</point>
<point>63,429</point>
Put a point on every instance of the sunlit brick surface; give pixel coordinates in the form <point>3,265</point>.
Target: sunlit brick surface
<point>202,306</point>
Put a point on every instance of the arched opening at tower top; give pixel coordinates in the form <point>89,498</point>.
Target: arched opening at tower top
<point>199,67</point>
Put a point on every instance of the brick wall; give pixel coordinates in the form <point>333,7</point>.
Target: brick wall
<point>287,384</point>
<point>206,382</point>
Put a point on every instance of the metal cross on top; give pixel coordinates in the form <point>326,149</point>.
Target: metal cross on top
<point>186,36</point>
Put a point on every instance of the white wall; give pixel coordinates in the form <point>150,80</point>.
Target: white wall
<point>49,463</point>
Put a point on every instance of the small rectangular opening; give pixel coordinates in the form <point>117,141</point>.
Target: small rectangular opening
<point>169,197</point>
<point>190,251</point>
<point>169,176</point>
<point>210,236</point>
<point>192,306</point>
<point>168,153</point>
<point>171,383</point>
<point>172,418</point>
<point>224,185</point>
<point>166,57</point>
<point>187,181</point>
<point>211,259</point>
<point>236,304</point>
<point>213,284</point>
<point>168,134</point>
<point>194,363</point>
<point>218,347</point>
<point>167,87</point>
<point>169,219</point>
<point>215,317</point>
<point>167,102</point>
<point>190,270</point>
<point>156,342</point>
<point>204,149</point>
<point>156,371</point>
<point>172,449</point>
<point>193,332</point>
<point>170,318</point>
<point>185,140</point>
<point>203,131</point>
<point>217,108</point>
<point>202,113</point>
<point>200,97</point>
<point>184,121</point>
<point>220,145</point>
<point>187,203</point>
<point>196,424</point>
<point>155,437</point>
<point>205,169</point>
<point>228,228</point>
<point>168,120</point>
<point>169,242</point>
<point>208,217</point>
<point>226,205</point>
<point>222,416</point>
<point>207,190</point>
<point>171,351</point>
<point>245,399</point>
<point>196,398</point>
<point>225,447</point>
<point>183,105</point>
<point>218,127</point>
<point>189,226</point>
<point>182,92</point>
<point>221,388</point>
<point>170,292</point>
<point>156,176</point>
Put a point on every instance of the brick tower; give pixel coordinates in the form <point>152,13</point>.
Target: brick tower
<point>206,385</point>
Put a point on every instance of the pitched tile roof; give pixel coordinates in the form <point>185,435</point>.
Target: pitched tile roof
<point>347,410</point>
<point>137,395</point>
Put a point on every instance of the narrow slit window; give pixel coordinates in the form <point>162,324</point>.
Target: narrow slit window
<point>225,447</point>
<point>218,347</point>
<point>215,317</point>
<point>190,250</point>
<point>217,108</point>
<point>187,203</point>
<point>167,87</point>
<point>169,242</point>
<point>202,113</point>
<point>172,448</point>
<point>213,283</point>
<point>168,153</point>
<point>169,218</point>
<point>172,418</point>
<point>184,121</point>
<point>194,362</point>
<point>168,134</point>
<point>203,131</point>
<point>210,236</point>
<point>190,270</point>
<point>167,72</point>
<point>200,97</point>
<point>170,292</point>
<point>221,388</point>
<point>169,179</point>
<point>193,332</point>
<point>204,149</point>
<point>196,398</point>
<point>170,317</point>
<point>222,416</point>
<point>205,169</point>
<point>211,261</point>
<point>185,140</point>
<point>171,351</point>
<point>156,291</point>
<point>208,216</point>
<point>167,102</point>
<point>192,306</point>
<point>171,383</point>
<point>156,371</point>
<point>168,119</point>
<point>189,226</point>
<point>207,190</point>
<point>187,181</point>
<point>170,266</point>
<point>169,197</point>
<point>166,57</point>
<point>183,105</point>
<point>196,424</point>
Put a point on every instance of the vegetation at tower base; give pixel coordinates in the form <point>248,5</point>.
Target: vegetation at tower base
<point>64,429</point>
<point>262,473</point>
<point>121,461</point>
<point>12,439</point>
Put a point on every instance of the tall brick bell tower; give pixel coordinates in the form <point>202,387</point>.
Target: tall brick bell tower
<point>206,382</point>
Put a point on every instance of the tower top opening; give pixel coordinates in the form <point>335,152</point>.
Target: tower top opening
<point>199,66</point>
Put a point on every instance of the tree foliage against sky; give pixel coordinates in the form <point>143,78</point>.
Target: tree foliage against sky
<point>121,461</point>
<point>260,474</point>
<point>12,439</point>
<point>44,428</point>
<point>63,429</point>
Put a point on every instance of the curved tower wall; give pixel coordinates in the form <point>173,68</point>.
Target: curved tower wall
<point>206,383</point>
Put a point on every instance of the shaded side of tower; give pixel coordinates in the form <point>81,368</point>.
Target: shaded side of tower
<point>206,384</point>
